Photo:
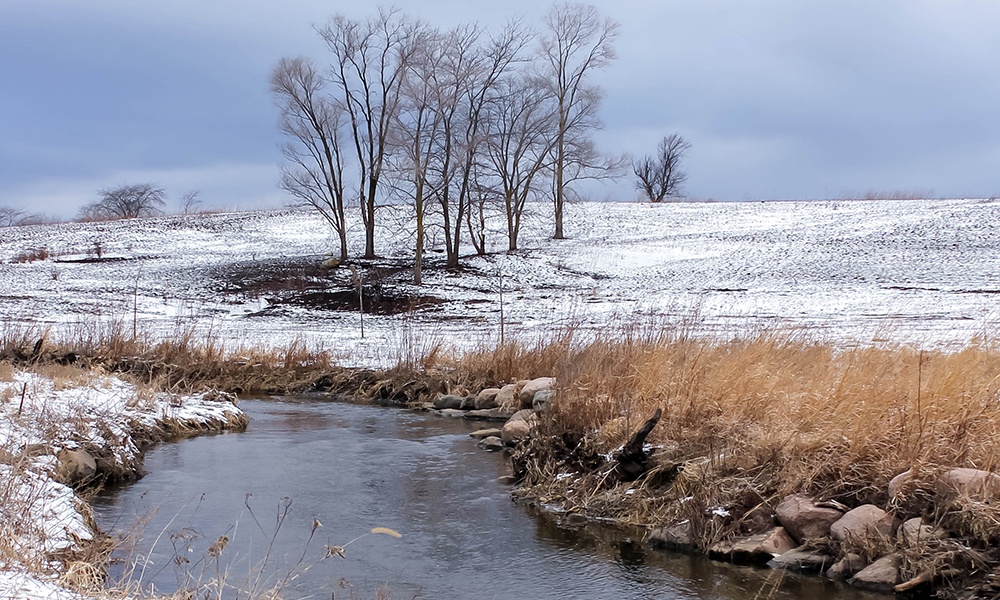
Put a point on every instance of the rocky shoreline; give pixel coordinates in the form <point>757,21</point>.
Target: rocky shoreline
<point>928,540</point>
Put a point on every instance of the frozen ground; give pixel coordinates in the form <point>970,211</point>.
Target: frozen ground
<point>855,272</point>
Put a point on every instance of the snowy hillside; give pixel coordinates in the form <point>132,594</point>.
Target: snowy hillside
<point>921,271</point>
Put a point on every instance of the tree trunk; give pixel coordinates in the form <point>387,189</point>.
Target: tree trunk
<point>633,461</point>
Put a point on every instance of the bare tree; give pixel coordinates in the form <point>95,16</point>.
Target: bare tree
<point>519,145</point>
<point>125,202</point>
<point>11,216</point>
<point>312,122</point>
<point>575,42</point>
<point>370,60</point>
<point>660,176</point>
<point>190,203</point>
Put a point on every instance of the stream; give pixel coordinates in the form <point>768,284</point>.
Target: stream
<point>354,467</point>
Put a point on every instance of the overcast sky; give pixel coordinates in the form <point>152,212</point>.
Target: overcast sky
<point>780,99</point>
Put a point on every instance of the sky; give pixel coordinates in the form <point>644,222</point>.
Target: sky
<point>780,99</point>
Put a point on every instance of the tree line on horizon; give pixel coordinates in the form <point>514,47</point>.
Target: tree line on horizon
<point>457,123</point>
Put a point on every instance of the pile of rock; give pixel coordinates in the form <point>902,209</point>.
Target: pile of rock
<point>515,404</point>
<point>826,537</point>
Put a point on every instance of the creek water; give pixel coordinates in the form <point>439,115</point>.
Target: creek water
<point>354,467</point>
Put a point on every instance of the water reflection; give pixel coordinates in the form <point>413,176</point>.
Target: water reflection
<point>354,467</point>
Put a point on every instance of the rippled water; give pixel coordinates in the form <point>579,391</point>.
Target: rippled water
<point>354,467</point>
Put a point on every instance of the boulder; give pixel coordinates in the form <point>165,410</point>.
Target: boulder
<point>802,559</point>
<point>915,532</point>
<point>861,523</point>
<point>880,576</point>
<point>75,466</point>
<point>489,414</point>
<point>898,483</point>
<point>449,401</point>
<point>973,483</point>
<point>803,520</point>
<point>507,397</point>
<point>491,444</point>
<point>673,537</point>
<point>756,549</point>
<point>527,393</point>
<point>486,398</point>
<point>524,414</point>
<point>518,427</point>
<point>485,433</point>
<point>468,403</point>
<point>846,567</point>
<point>542,400</point>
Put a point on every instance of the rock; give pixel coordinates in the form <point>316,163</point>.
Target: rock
<point>468,403</point>
<point>802,559</point>
<point>489,414</point>
<point>846,567</point>
<point>542,400</point>
<point>75,466</point>
<point>524,414</point>
<point>425,406</point>
<point>452,412</point>
<point>527,393</point>
<point>507,397</point>
<point>973,483</point>
<point>914,532</point>
<point>861,523</point>
<point>486,398</point>
<point>449,401</point>
<point>491,444</point>
<point>880,576</point>
<point>803,520</point>
<point>898,483</point>
<point>517,428</point>
<point>761,548</point>
<point>330,263</point>
<point>674,537</point>
<point>485,433</point>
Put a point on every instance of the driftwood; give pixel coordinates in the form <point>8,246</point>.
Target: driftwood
<point>925,577</point>
<point>633,461</point>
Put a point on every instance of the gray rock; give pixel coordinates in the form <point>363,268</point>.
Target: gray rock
<point>673,537</point>
<point>490,414</point>
<point>75,467</point>
<point>527,393</point>
<point>862,522</point>
<point>486,399</point>
<point>485,433</point>
<point>915,532</point>
<point>453,412</point>
<point>803,520</point>
<point>469,403</point>
<point>802,559</point>
<point>491,444</point>
<point>974,483</point>
<point>761,548</point>
<point>880,576</point>
<point>507,397</point>
<point>525,414</point>
<point>449,401</point>
<point>846,567</point>
<point>517,429</point>
<point>542,400</point>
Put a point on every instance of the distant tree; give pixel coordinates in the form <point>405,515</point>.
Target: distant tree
<point>125,202</point>
<point>575,42</point>
<point>660,176</point>
<point>370,60</point>
<point>190,202</point>
<point>312,122</point>
<point>11,216</point>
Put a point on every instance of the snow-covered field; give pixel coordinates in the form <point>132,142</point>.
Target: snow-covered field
<point>851,271</point>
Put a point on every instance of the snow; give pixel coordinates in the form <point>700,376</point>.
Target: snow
<point>919,271</point>
<point>41,517</point>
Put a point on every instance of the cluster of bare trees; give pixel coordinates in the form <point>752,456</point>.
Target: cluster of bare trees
<point>456,122</point>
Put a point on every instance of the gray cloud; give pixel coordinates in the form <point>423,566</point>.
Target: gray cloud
<point>780,99</point>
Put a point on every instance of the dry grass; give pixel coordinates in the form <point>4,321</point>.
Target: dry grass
<point>747,421</point>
